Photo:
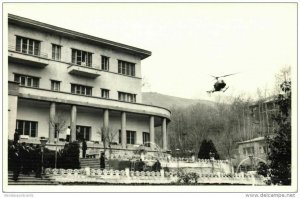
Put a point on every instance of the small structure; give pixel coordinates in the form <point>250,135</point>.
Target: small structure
<point>250,153</point>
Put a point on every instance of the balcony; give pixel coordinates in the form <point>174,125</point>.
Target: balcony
<point>91,101</point>
<point>84,71</point>
<point>40,60</point>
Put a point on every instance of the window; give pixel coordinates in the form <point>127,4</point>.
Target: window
<point>56,52</point>
<point>55,85</point>
<point>146,139</point>
<point>104,93</point>
<point>27,128</point>
<point>83,132</point>
<point>80,57</point>
<point>105,63</point>
<point>27,46</point>
<point>27,81</point>
<point>81,90</point>
<point>126,68</point>
<point>130,135</point>
<point>248,151</point>
<point>263,149</point>
<point>127,97</point>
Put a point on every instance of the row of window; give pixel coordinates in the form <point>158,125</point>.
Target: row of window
<point>79,57</point>
<point>28,46</point>
<point>30,81</point>
<point>30,128</point>
<point>27,81</point>
<point>127,97</point>
<point>251,151</point>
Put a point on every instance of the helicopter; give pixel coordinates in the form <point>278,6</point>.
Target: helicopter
<point>220,84</point>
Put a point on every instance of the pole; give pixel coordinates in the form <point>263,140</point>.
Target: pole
<point>177,150</point>
<point>42,169</point>
<point>177,164</point>
<point>55,153</point>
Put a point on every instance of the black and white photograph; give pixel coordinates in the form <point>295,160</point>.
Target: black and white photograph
<point>150,97</point>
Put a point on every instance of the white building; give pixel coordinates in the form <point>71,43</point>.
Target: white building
<point>84,80</point>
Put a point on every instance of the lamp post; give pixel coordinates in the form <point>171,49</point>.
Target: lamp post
<point>56,140</point>
<point>177,151</point>
<point>251,161</point>
<point>43,144</point>
<point>212,158</point>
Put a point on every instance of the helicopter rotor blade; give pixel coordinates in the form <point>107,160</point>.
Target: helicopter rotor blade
<point>216,77</point>
<point>228,75</point>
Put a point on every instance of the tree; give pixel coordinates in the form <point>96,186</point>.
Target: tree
<point>59,124</point>
<point>280,144</point>
<point>108,136</point>
<point>263,169</point>
<point>207,149</point>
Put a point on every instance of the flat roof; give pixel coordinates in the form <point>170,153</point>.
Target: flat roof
<point>14,19</point>
<point>252,140</point>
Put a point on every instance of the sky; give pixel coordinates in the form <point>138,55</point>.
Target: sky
<point>189,41</point>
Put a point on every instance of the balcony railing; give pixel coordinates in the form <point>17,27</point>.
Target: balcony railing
<point>38,54</point>
<point>86,71</point>
<point>30,58</point>
<point>92,101</point>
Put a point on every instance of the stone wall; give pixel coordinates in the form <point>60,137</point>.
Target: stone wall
<point>135,177</point>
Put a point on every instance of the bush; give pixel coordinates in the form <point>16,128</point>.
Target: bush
<point>207,149</point>
<point>69,156</point>
<point>187,177</point>
<point>263,169</point>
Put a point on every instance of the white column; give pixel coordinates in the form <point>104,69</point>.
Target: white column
<point>105,124</point>
<point>152,131</point>
<point>105,118</point>
<point>164,133</point>
<point>73,122</point>
<point>51,121</point>
<point>12,115</point>
<point>123,129</point>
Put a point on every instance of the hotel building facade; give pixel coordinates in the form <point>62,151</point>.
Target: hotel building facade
<point>85,81</point>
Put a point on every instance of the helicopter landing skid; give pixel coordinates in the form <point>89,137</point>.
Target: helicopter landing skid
<point>225,89</point>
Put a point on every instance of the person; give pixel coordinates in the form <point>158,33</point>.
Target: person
<point>141,165</point>
<point>26,160</point>
<point>156,166</point>
<point>68,133</point>
<point>102,161</point>
<point>16,137</point>
<point>168,158</point>
<point>84,148</point>
<point>38,161</point>
<point>16,162</point>
<point>23,157</point>
<point>31,158</point>
<point>78,135</point>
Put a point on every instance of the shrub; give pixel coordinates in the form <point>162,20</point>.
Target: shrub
<point>187,177</point>
<point>69,156</point>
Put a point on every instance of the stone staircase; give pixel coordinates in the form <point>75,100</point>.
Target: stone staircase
<point>30,180</point>
<point>93,163</point>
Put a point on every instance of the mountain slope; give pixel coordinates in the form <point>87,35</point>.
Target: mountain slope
<point>166,101</point>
